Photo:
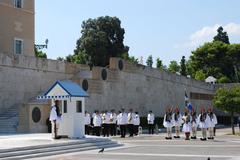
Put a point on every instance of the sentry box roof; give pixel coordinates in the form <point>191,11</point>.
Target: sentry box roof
<point>62,90</point>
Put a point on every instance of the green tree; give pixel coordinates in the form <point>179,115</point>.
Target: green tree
<point>159,64</point>
<point>40,53</point>
<point>221,36</point>
<point>60,58</point>
<point>214,60</point>
<point>101,39</point>
<point>149,61</point>
<point>200,75</point>
<point>183,69</point>
<point>173,67</point>
<point>228,100</point>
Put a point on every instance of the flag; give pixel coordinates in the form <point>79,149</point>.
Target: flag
<point>189,106</point>
<point>186,96</point>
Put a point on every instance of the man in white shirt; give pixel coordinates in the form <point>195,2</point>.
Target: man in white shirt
<point>113,122</point>
<point>123,119</point>
<point>105,123</point>
<point>130,122</point>
<point>54,118</point>
<point>87,120</point>
<point>150,119</point>
<point>136,123</point>
<point>97,122</point>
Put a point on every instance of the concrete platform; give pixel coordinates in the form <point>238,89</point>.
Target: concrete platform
<point>155,147</point>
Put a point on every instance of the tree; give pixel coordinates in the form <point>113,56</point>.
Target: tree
<point>40,53</point>
<point>200,75</point>
<point>183,70</point>
<point>101,39</point>
<point>228,100</point>
<point>214,59</point>
<point>159,64</point>
<point>149,61</point>
<point>173,67</point>
<point>221,36</point>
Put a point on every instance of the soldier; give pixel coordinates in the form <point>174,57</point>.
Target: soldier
<point>105,123</point>
<point>136,123</point>
<point>123,119</point>
<point>187,124</point>
<point>150,119</point>
<point>203,120</point>
<point>130,122</point>
<point>97,122</point>
<point>87,120</point>
<point>194,122</point>
<point>212,123</point>
<point>55,117</point>
<point>113,123</point>
<point>177,121</point>
<point>168,123</point>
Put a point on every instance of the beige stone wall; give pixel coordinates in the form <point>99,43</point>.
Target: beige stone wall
<point>17,23</point>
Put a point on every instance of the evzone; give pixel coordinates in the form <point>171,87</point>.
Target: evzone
<point>190,122</point>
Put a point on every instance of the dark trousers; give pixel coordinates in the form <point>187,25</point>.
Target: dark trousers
<point>151,128</point>
<point>123,130</point>
<point>130,129</point>
<point>105,129</point>
<point>87,129</point>
<point>97,130</point>
<point>135,128</point>
<point>113,129</point>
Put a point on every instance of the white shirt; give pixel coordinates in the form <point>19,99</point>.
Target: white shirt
<point>130,117</point>
<point>87,119</point>
<point>179,120</point>
<point>97,121</point>
<point>136,120</point>
<point>123,118</point>
<point>113,118</point>
<point>53,114</point>
<point>150,118</point>
<point>106,118</point>
<point>212,121</point>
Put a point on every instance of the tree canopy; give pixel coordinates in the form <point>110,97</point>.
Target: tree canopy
<point>149,61</point>
<point>228,100</point>
<point>101,39</point>
<point>221,36</point>
<point>173,67</point>
<point>159,63</point>
<point>40,53</point>
<point>183,69</point>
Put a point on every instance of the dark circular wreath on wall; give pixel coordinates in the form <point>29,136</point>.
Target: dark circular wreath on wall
<point>85,85</point>
<point>104,74</point>
<point>36,114</point>
<point>120,65</point>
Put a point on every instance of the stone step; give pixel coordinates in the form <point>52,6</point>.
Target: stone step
<point>47,150</point>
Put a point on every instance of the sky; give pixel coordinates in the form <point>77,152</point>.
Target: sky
<point>165,29</point>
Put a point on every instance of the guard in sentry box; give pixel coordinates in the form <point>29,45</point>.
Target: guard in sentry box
<point>177,121</point>
<point>55,118</point>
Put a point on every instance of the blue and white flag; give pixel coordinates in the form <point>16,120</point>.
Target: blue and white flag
<point>189,106</point>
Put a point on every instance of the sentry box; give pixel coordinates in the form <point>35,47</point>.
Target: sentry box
<point>72,108</point>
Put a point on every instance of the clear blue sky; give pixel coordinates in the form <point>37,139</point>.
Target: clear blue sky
<point>167,29</point>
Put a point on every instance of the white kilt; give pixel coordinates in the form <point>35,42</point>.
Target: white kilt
<point>187,127</point>
<point>167,124</point>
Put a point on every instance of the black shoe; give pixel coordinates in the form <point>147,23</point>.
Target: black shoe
<point>170,137</point>
<point>176,136</point>
<point>187,139</point>
<point>166,138</point>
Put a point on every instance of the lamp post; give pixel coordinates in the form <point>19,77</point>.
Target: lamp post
<point>41,46</point>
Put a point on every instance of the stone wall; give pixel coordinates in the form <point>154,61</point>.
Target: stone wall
<point>23,78</point>
<point>123,84</point>
<point>141,88</point>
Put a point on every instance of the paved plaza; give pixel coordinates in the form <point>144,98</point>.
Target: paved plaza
<point>155,147</point>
